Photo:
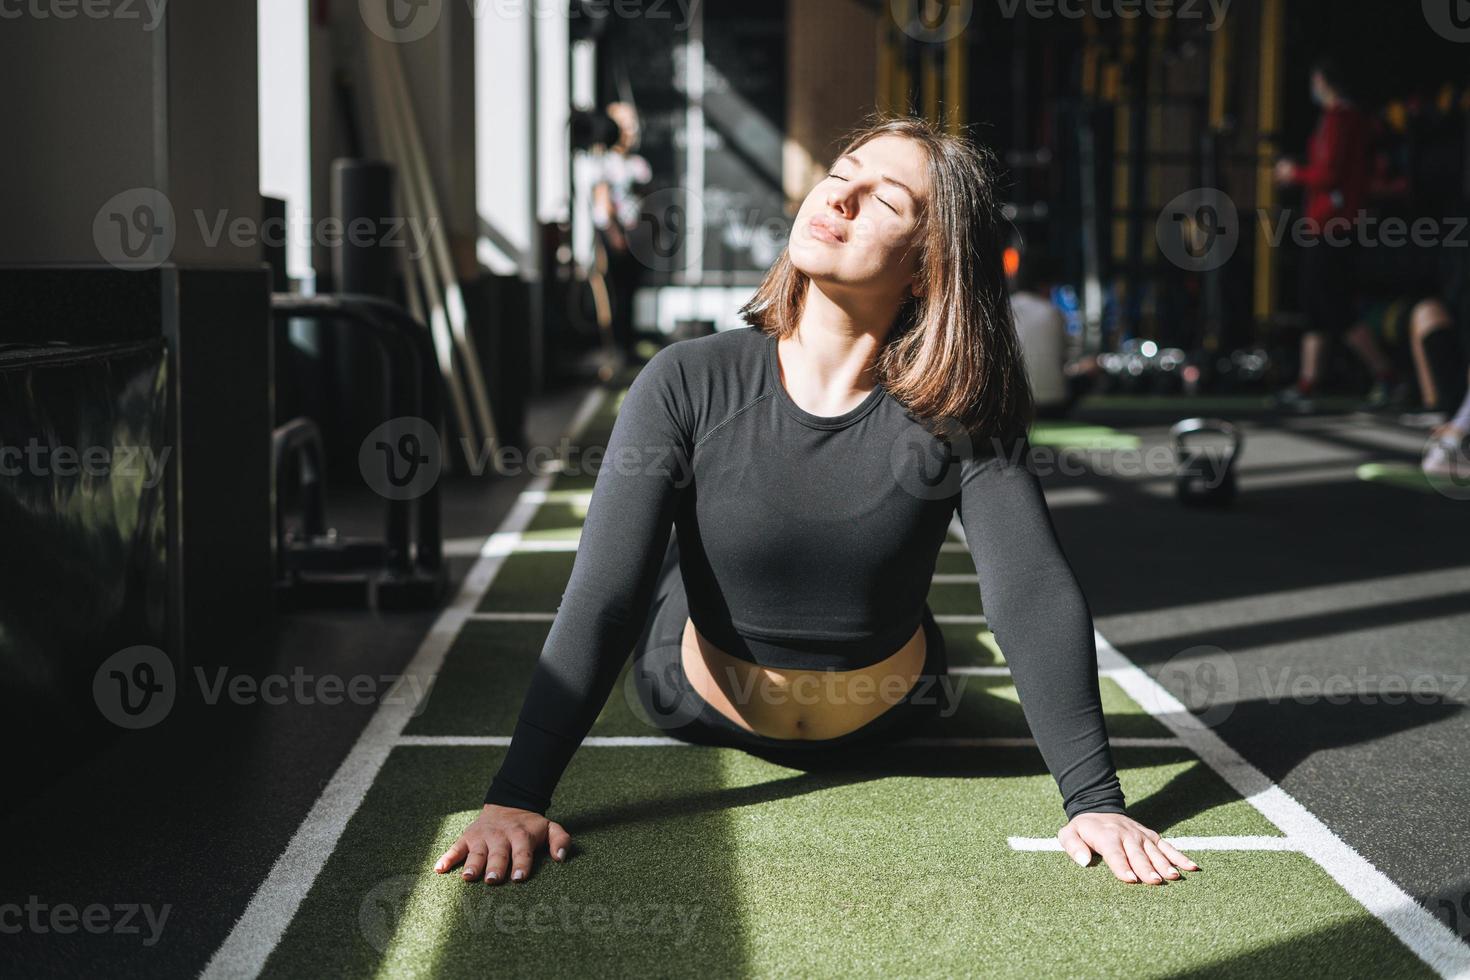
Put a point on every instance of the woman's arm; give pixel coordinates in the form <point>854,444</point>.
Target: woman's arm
<point>1041,621</point>
<point>624,538</point>
<point>1042,624</point>
<point>607,598</point>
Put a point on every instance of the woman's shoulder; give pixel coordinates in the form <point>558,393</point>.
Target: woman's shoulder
<point>711,375</point>
<point>737,346</point>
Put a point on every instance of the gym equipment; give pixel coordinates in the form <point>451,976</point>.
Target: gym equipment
<point>1205,478</point>
<point>362,195</point>
<point>1143,367</point>
<point>454,347</point>
<point>317,566</point>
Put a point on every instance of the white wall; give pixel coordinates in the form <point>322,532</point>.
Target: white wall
<point>285,122</point>
<point>521,140</point>
<point>503,156</point>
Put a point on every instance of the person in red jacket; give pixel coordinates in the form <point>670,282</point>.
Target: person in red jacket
<point>1336,180</point>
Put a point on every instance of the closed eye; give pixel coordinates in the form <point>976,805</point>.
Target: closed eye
<point>879,199</point>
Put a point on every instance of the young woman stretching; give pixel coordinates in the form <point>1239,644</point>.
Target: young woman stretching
<point>772,503</point>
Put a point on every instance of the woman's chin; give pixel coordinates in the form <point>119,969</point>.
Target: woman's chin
<point>817,267</point>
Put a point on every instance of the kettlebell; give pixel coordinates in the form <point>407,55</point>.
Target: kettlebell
<point>1205,478</point>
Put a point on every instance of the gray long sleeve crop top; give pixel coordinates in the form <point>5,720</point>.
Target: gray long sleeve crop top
<point>805,541</point>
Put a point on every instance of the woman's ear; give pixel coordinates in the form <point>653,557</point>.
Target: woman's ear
<point>916,287</point>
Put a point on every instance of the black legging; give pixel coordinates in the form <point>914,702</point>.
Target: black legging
<point>1446,353</point>
<point>671,703</point>
<point>624,273</point>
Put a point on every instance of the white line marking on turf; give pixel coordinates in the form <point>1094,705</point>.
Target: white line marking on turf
<point>547,617</point>
<point>1183,843</point>
<point>1004,671</point>
<point>502,543</point>
<point>591,741</point>
<point>275,902</point>
<point>545,495</point>
<point>648,741</point>
<point>1418,928</point>
<point>1008,742</point>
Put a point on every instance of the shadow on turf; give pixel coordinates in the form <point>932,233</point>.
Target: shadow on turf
<point>1149,553</point>
<point>1189,794</point>
<point>1261,633</point>
<point>1323,952</point>
<point>1279,735</point>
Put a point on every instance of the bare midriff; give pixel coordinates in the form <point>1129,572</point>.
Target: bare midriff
<point>794,703</point>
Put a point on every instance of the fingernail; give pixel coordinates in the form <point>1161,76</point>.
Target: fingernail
<point>519,874</point>
<point>1080,859</point>
<point>1131,877</point>
<point>561,853</point>
<point>494,876</point>
<point>468,875</point>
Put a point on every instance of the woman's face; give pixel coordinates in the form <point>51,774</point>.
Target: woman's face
<point>627,119</point>
<point>859,227</point>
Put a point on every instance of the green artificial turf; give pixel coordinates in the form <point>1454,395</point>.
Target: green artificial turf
<point>1411,477</point>
<point>1080,435</point>
<point>1185,405</point>
<point>707,862</point>
<point>696,861</point>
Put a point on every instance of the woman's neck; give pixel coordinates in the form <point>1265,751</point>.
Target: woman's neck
<point>833,352</point>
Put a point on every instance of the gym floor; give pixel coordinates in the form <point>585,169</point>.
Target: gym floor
<point>296,840</point>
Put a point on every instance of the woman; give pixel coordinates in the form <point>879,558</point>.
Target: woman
<point>615,211</point>
<point>878,390</point>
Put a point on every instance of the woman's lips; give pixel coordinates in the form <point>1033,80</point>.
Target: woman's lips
<point>825,230</point>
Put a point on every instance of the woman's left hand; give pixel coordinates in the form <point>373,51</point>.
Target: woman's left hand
<point>1132,851</point>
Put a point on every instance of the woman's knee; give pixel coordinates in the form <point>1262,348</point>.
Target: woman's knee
<point>1428,316</point>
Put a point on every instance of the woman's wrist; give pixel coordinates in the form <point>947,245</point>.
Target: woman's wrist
<point>502,794</point>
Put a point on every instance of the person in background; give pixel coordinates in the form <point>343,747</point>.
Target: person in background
<point>1042,329</point>
<point>1439,336</point>
<point>1447,454</point>
<point>1336,180</point>
<point>615,215</point>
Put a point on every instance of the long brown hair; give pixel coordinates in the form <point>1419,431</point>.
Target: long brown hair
<point>952,356</point>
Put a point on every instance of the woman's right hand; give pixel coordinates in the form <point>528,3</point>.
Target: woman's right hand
<point>503,835</point>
